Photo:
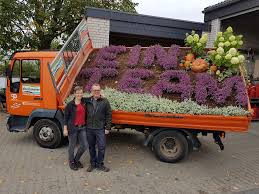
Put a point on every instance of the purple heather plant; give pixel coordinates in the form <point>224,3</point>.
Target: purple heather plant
<point>149,56</point>
<point>167,60</point>
<point>106,56</point>
<point>95,75</point>
<point>115,49</point>
<point>131,81</point>
<point>184,86</point>
<point>206,86</point>
<point>134,56</point>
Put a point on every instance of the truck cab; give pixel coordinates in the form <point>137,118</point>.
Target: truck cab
<point>29,85</point>
<point>38,82</point>
<point>31,97</point>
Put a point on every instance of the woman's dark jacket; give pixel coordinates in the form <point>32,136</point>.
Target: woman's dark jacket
<point>70,113</point>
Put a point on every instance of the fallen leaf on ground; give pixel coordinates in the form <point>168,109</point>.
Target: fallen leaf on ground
<point>1,181</point>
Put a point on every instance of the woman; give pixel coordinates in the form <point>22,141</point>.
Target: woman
<point>75,127</point>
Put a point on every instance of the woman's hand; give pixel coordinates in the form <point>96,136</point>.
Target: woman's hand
<point>65,131</point>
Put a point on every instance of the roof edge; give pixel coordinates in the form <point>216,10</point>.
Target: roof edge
<point>219,5</point>
<point>107,12</point>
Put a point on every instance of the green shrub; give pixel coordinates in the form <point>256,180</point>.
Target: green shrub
<point>148,103</point>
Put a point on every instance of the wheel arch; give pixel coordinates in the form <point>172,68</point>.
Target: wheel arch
<point>54,115</point>
<point>155,132</point>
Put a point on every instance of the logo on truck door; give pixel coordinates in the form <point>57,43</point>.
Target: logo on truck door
<point>15,105</point>
<point>29,89</point>
<point>13,97</point>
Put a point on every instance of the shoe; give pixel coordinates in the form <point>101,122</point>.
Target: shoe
<point>90,168</point>
<point>73,166</point>
<point>103,168</point>
<point>79,164</point>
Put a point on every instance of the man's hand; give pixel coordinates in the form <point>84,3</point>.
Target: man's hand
<point>65,131</point>
<point>107,131</point>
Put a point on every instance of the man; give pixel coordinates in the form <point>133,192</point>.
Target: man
<point>75,127</point>
<point>99,116</point>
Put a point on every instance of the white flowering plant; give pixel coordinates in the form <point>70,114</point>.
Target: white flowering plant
<point>196,43</point>
<point>123,101</point>
<point>226,52</point>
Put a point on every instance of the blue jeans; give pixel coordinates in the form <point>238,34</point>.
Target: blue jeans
<point>80,136</point>
<point>96,136</point>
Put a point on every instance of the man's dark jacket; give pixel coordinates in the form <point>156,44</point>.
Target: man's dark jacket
<point>99,117</point>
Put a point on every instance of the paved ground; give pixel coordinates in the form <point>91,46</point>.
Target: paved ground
<point>27,168</point>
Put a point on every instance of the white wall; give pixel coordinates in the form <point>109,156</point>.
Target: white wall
<point>99,31</point>
<point>215,28</point>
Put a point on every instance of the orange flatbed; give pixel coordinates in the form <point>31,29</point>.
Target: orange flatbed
<point>184,121</point>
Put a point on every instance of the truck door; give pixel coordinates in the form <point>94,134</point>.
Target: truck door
<point>25,92</point>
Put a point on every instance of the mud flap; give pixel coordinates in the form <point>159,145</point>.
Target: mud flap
<point>217,139</point>
<point>16,123</point>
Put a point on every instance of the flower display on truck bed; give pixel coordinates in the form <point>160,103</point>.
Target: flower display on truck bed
<point>172,79</point>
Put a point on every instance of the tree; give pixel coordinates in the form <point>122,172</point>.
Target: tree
<point>35,23</point>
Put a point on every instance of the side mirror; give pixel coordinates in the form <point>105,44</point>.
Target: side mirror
<point>7,72</point>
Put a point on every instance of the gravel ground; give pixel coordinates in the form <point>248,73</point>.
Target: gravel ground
<point>27,168</point>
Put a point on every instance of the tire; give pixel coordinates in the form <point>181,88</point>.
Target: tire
<point>170,146</point>
<point>47,133</point>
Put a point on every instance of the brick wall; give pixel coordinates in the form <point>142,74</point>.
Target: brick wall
<point>99,30</point>
<point>215,28</point>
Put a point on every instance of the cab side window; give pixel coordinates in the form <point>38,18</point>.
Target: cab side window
<point>30,71</point>
<point>15,77</point>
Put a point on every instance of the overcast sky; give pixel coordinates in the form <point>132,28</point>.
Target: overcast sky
<point>176,9</point>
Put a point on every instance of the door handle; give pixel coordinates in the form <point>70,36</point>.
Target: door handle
<point>38,98</point>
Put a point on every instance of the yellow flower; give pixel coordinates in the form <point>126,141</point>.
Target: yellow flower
<point>196,38</point>
<point>189,39</point>
<point>234,60</point>
<point>233,51</point>
<point>232,38</point>
<point>218,57</point>
<point>221,39</point>
<point>228,56</point>
<point>229,29</point>
<point>234,43</point>
<point>241,58</point>
<point>221,44</point>
<point>219,34</point>
<point>227,44</point>
<point>220,50</point>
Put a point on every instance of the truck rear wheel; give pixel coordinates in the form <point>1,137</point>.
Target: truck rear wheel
<point>170,146</point>
<point>47,133</point>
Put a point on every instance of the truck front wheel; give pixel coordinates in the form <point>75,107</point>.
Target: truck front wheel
<point>47,133</point>
<point>170,146</point>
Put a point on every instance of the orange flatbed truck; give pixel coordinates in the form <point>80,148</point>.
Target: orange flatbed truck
<point>39,82</point>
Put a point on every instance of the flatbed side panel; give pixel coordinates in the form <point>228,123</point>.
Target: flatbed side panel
<point>74,71</point>
<point>69,61</point>
<point>199,122</point>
